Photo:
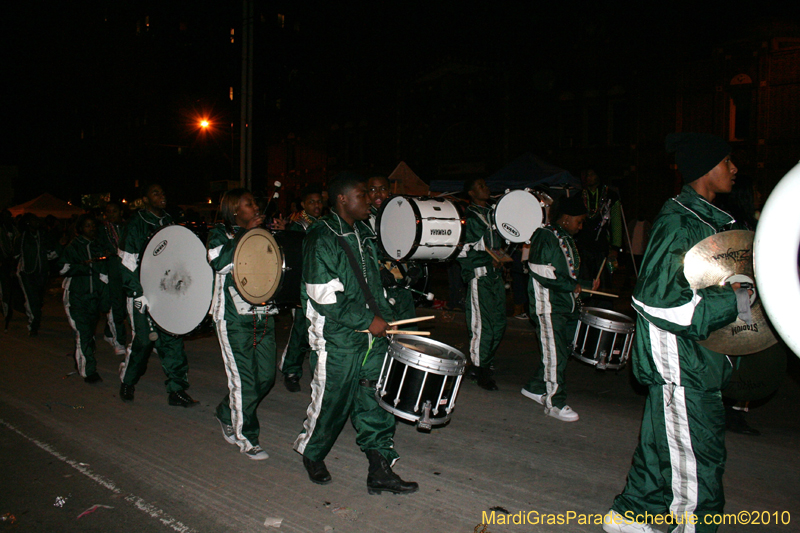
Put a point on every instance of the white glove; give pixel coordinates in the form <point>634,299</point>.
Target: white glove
<point>141,304</point>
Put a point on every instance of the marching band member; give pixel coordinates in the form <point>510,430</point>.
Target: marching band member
<point>34,249</point>
<point>342,294</point>
<point>114,332</point>
<point>296,348</point>
<point>554,267</point>
<point>84,265</point>
<point>170,349</point>
<point>246,332</point>
<point>401,300</point>
<point>678,465</point>
<point>483,274</point>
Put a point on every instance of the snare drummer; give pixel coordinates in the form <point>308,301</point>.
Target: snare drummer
<point>296,348</point>
<point>170,349</point>
<point>346,363</point>
<point>401,299</point>
<point>554,268</point>
<point>483,274</point>
<point>246,332</point>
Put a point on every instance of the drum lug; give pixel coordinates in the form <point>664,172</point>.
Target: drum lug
<point>601,364</point>
<point>425,421</point>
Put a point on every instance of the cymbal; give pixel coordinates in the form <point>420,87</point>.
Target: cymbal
<point>718,257</point>
<point>712,261</point>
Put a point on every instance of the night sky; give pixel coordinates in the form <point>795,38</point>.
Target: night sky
<point>90,104</point>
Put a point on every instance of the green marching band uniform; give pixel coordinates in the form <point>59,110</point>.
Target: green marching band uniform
<point>114,334</point>
<point>34,250</point>
<point>346,363</point>
<point>401,300</point>
<point>85,296</point>
<point>296,348</point>
<point>678,465</point>
<point>246,334</point>
<point>170,349</point>
<point>486,294</point>
<point>554,267</point>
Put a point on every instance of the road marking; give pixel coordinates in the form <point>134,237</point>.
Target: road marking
<point>138,503</point>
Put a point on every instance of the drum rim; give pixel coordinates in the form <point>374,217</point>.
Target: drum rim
<point>494,215</point>
<point>418,235</point>
<point>456,364</point>
<point>627,326</point>
<point>282,263</point>
<point>411,417</point>
<point>210,294</point>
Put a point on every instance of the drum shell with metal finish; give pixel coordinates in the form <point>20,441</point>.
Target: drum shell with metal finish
<point>417,386</point>
<point>176,279</point>
<point>603,338</point>
<point>416,228</point>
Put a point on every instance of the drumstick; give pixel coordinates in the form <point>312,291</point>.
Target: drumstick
<point>400,332</point>
<point>601,269</point>
<point>600,293</point>
<point>411,320</point>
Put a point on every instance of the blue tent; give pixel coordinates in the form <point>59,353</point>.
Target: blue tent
<point>526,171</point>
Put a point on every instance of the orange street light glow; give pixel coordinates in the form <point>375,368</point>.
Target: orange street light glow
<point>204,123</point>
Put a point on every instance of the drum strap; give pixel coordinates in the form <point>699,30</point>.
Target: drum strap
<point>371,303</point>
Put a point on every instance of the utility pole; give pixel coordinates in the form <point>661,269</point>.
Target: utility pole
<point>246,125</point>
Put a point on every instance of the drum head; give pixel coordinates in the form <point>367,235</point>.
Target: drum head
<point>517,214</point>
<point>257,266</point>
<point>398,225</point>
<point>176,279</point>
<point>607,320</point>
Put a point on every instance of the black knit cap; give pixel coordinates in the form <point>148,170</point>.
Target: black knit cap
<point>696,153</point>
<point>572,206</point>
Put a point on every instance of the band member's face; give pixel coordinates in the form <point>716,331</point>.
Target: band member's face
<point>480,191</point>
<point>354,202</point>
<point>723,176</point>
<point>156,198</point>
<point>378,191</point>
<point>590,179</point>
<point>89,229</point>
<point>572,224</point>
<point>312,205</point>
<point>247,210</point>
<point>112,213</point>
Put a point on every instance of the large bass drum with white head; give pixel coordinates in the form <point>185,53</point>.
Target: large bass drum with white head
<point>176,279</point>
<point>411,228</point>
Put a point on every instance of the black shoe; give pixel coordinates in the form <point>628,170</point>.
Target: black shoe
<point>471,373</point>
<point>485,380</point>
<point>181,398</point>
<point>93,378</point>
<point>382,478</point>
<point>317,472</point>
<point>126,392</point>
<point>292,382</point>
<point>735,422</point>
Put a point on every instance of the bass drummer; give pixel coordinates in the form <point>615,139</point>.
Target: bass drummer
<point>170,349</point>
<point>246,332</point>
<point>401,299</point>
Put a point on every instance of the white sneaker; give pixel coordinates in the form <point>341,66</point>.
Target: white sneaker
<point>565,414</point>
<point>257,453</point>
<point>227,432</point>
<point>538,398</point>
<point>613,522</point>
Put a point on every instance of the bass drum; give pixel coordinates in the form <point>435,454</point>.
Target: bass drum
<point>517,214</point>
<point>411,228</point>
<point>176,279</point>
<point>758,375</point>
<point>268,268</point>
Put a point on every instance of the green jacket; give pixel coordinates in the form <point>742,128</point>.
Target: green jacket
<point>34,250</point>
<point>554,266</point>
<point>137,233</point>
<point>86,278</point>
<point>221,250</point>
<point>301,224</point>
<point>330,293</point>
<point>673,316</point>
<point>479,236</point>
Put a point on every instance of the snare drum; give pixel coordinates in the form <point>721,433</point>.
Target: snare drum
<point>419,380</point>
<point>603,338</point>
<point>176,279</point>
<point>268,267</point>
<point>411,228</point>
<point>517,214</point>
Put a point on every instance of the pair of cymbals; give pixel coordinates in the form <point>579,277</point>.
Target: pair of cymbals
<point>715,260</point>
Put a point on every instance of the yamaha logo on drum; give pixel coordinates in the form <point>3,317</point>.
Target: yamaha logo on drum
<point>511,229</point>
<point>160,247</point>
<point>441,232</point>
